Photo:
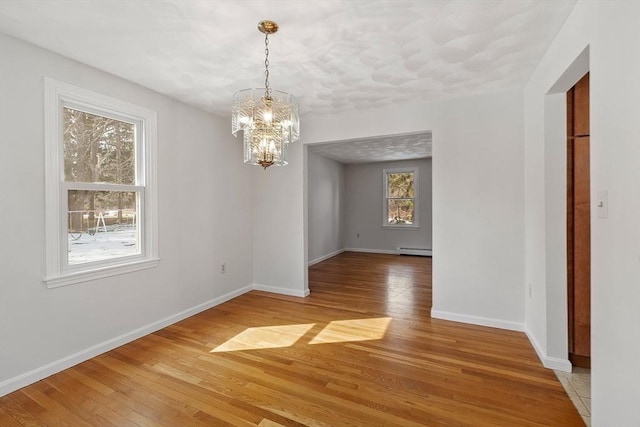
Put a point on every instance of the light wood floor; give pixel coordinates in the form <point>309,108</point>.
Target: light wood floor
<point>360,351</point>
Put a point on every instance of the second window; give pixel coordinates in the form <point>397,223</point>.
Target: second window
<point>400,197</point>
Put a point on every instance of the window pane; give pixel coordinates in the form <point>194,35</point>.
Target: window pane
<point>400,211</point>
<point>102,225</point>
<point>400,185</point>
<point>98,149</point>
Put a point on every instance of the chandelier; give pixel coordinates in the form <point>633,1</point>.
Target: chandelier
<point>268,118</point>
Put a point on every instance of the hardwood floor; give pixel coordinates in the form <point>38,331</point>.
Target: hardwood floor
<point>361,350</point>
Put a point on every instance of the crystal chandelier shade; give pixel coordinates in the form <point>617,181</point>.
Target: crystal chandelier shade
<point>267,125</point>
<point>268,118</point>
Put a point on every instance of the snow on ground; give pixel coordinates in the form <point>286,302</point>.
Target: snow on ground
<point>117,241</point>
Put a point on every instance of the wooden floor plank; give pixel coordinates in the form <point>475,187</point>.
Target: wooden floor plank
<point>361,350</point>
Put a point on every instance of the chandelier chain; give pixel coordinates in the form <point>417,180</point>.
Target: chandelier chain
<point>267,90</point>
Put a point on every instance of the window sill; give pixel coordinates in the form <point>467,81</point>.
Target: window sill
<point>99,273</point>
<point>400,227</point>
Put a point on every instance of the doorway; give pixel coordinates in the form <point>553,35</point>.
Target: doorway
<point>578,225</point>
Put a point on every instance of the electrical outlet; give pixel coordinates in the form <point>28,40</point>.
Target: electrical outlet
<point>223,267</point>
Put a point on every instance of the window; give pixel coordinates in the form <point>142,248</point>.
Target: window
<point>101,211</point>
<point>400,198</point>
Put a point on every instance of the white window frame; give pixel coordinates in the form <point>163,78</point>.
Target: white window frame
<point>385,197</point>
<point>58,95</point>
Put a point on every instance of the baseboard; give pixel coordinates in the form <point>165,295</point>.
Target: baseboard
<point>372,251</point>
<point>426,252</point>
<point>554,363</point>
<point>282,291</point>
<point>324,257</point>
<point>477,320</point>
<point>22,380</point>
<point>580,361</point>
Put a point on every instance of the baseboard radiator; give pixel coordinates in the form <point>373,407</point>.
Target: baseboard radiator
<point>413,251</point>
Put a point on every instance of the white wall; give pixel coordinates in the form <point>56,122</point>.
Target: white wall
<point>364,195</point>
<point>279,226</point>
<point>611,32</point>
<point>204,218</point>
<point>326,199</point>
<point>478,210</point>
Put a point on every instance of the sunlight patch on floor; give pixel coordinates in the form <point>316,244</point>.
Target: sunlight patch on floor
<point>265,337</point>
<point>287,335</point>
<point>353,330</point>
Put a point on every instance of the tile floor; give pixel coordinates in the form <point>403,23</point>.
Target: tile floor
<point>578,387</point>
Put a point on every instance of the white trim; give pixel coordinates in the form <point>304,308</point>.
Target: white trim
<point>281,291</point>
<point>478,320</point>
<point>385,213</point>
<point>13,384</point>
<point>403,227</point>
<point>549,362</point>
<point>324,257</point>
<point>52,165</point>
<point>151,185</point>
<point>98,186</point>
<point>372,251</point>
<point>99,273</point>
<point>56,96</point>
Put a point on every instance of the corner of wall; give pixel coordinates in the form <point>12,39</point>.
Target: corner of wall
<point>554,363</point>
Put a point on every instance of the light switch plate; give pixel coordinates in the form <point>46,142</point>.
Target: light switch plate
<point>602,204</point>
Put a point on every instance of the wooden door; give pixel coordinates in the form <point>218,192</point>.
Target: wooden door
<point>579,224</point>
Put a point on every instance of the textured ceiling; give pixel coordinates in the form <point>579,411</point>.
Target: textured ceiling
<point>377,149</point>
<point>335,55</point>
